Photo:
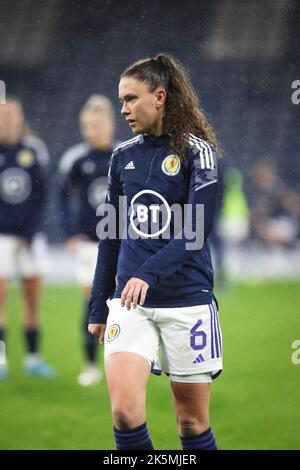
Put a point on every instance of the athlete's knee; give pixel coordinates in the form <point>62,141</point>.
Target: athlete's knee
<point>190,425</point>
<point>125,416</point>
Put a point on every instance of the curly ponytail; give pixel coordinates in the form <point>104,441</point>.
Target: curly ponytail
<point>184,113</point>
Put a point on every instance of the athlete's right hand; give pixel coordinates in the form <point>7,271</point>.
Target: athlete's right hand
<point>97,329</point>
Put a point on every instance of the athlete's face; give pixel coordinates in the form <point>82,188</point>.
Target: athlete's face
<point>97,128</point>
<point>11,122</point>
<point>143,109</point>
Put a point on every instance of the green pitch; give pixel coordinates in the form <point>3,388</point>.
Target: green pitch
<point>255,402</point>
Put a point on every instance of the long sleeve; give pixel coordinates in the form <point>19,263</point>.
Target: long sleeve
<point>34,217</point>
<point>196,229</point>
<point>108,250</point>
<point>33,221</point>
<point>67,183</point>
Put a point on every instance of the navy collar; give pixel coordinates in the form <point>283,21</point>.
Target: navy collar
<point>155,140</point>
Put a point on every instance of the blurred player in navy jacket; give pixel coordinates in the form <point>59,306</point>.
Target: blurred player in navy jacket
<point>83,178</point>
<point>23,167</point>
<point>161,261</point>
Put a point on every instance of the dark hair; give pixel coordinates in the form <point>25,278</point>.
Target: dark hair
<point>184,113</point>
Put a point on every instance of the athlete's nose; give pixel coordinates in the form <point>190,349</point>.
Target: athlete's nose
<point>124,110</point>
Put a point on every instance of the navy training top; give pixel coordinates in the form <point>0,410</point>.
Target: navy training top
<point>153,247</point>
<point>23,187</point>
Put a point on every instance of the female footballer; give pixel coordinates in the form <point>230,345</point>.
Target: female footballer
<point>83,181</point>
<point>153,284</point>
<point>23,254</point>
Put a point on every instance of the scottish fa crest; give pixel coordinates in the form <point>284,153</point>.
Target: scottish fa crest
<point>25,158</point>
<point>113,332</point>
<point>171,165</point>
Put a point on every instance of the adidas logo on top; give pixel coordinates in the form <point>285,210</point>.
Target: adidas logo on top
<point>130,166</point>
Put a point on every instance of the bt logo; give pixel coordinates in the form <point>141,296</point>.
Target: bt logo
<point>143,214</point>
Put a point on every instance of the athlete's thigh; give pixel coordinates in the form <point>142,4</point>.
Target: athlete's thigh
<point>31,287</point>
<point>127,376</point>
<point>191,400</point>
<point>130,348</point>
<point>33,260</point>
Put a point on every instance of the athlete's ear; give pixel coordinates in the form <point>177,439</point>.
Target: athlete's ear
<point>160,97</point>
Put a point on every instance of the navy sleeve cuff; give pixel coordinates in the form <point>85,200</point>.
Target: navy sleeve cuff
<point>98,310</point>
<point>151,279</point>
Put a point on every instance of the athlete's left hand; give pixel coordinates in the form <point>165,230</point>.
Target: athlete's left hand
<point>134,289</point>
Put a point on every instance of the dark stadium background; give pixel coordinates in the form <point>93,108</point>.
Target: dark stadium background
<point>243,57</point>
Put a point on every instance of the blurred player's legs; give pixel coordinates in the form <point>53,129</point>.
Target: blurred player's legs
<point>86,255</point>
<point>127,375</point>
<point>32,265</point>
<point>27,262</point>
<point>31,294</point>
<point>83,176</point>
<point>91,373</point>
<point>3,368</point>
<point>7,269</point>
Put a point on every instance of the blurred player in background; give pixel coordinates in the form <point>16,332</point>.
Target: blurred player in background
<point>83,175</point>
<point>275,206</point>
<point>166,286</point>
<point>23,166</point>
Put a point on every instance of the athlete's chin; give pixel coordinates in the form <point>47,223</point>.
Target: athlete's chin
<point>136,129</point>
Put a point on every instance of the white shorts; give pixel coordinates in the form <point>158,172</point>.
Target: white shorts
<point>85,259</point>
<point>20,261</point>
<point>183,342</point>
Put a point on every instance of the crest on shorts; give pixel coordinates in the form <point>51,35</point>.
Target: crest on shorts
<point>113,332</point>
<point>25,158</point>
<point>171,165</point>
